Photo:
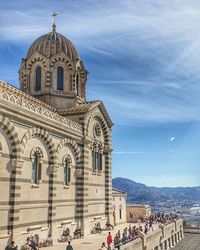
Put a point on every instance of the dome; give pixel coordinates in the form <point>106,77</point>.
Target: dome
<point>52,43</point>
<point>53,71</point>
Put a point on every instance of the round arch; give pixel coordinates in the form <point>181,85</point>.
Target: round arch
<point>38,151</point>
<point>72,145</point>
<point>45,136</point>
<point>58,58</point>
<point>99,117</point>
<point>37,58</point>
<point>13,136</point>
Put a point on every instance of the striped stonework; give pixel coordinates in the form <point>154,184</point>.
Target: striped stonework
<point>51,199</point>
<point>72,145</point>
<point>108,185</point>
<point>81,188</point>
<point>48,77</point>
<point>15,197</point>
<point>36,59</point>
<point>44,135</point>
<point>96,115</point>
<point>61,59</point>
<point>9,129</point>
<point>74,82</point>
<point>50,204</point>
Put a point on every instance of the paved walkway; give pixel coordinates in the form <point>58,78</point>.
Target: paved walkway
<point>90,242</point>
<point>190,242</point>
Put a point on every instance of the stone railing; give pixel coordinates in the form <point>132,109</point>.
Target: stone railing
<point>166,237</point>
<point>19,98</point>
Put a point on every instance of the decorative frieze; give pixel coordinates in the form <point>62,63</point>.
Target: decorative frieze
<point>15,96</point>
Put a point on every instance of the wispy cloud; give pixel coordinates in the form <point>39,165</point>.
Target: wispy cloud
<point>143,56</point>
<point>102,52</point>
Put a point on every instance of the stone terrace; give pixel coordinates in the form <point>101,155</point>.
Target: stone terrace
<point>190,242</point>
<point>94,241</point>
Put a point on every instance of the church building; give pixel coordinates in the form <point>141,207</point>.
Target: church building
<point>55,147</point>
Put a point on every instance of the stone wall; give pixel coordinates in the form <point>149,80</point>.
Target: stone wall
<point>119,207</point>
<point>137,212</point>
<point>28,125</point>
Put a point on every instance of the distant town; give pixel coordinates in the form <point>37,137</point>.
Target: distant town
<point>182,201</point>
<point>188,210</point>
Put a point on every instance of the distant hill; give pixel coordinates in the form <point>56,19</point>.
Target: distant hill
<point>138,192</point>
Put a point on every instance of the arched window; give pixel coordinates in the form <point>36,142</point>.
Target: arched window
<point>96,161</point>
<point>36,166</point>
<point>66,175</point>
<point>60,78</point>
<point>38,78</point>
<point>67,170</point>
<point>77,84</point>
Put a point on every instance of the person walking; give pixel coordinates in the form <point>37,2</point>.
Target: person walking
<point>109,239</point>
<point>69,246</point>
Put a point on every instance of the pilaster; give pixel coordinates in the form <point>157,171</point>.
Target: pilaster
<point>52,196</point>
<point>82,189</point>
<point>15,197</point>
<point>108,187</point>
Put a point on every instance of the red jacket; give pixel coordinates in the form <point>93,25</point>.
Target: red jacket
<point>109,239</point>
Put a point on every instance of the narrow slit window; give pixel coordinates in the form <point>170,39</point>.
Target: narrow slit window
<point>67,173</point>
<point>60,78</point>
<point>77,84</point>
<point>38,78</point>
<point>36,169</point>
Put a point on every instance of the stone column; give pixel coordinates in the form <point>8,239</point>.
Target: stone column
<point>161,246</point>
<point>178,236</point>
<point>175,236</point>
<point>142,236</point>
<point>162,227</point>
<point>169,242</point>
<point>82,189</point>
<point>165,244</point>
<point>181,232</point>
<point>172,240</point>
<point>108,186</point>
<point>53,168</point>
<point>15,197</point>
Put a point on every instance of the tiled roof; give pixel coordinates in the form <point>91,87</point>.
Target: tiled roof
<point>114,190</point>
<point>81,108</point>
<point>52,43</point>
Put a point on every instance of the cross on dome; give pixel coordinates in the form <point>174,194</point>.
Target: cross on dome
<point>54,21</point>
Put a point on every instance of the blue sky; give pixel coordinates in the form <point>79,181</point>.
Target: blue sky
<point>143,58</point>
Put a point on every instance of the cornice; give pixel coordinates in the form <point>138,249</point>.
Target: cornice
<point>12,95</point>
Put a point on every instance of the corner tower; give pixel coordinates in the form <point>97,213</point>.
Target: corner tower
<point>53,71</point>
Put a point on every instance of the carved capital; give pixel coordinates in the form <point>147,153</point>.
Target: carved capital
<point>53,168</point>
<point>79,172</point>
<point>17,163</point>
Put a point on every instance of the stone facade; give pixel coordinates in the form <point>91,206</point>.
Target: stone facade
<point>137,212</point>
<point>55,147</point>
<point>119,206</point>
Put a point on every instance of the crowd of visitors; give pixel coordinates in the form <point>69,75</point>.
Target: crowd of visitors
<point>131,233</point>
<point>31,244</point>
<point>97,228</point>
<point>66,236</point>
<point>121,237</point>
<point>164,219</point>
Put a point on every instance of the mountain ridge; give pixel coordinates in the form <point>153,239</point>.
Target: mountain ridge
<point>138,192</point>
